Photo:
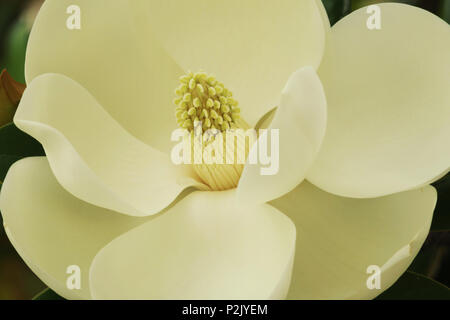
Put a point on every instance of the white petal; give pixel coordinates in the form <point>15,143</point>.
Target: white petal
<point>92,156</point>
<point>301,122</point>
<point>388,103</point>
<point>121,64</point>
<point>252,46</point>
<point>324,15</point>
<point>51,229</point>
<point>207,246</point>
<point>341,237</point>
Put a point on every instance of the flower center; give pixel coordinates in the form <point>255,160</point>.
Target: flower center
<point>201,98</point>
<point>206,104</point>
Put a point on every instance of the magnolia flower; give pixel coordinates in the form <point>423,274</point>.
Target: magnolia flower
<point>363,117</point>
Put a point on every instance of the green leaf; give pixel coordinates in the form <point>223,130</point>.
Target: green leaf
<point>15,145</point>
<point>16,142</point>
<point>424,260</point>
<point>441,217</point>
<point>15,50</point>
<point>445,10</point>
<point>337,9</point>
<point>8,13</point>
<point>6,161</point>
<point>414,286</point>
<point>47,294</point>
<point>431,259</point>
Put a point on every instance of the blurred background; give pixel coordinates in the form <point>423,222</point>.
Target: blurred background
<point>16,20</point>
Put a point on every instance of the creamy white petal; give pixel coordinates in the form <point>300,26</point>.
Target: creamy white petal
<point>51,229</point>
<point>207,246</point>
<point>388,103</point>
<point>293,140</point>
<point>324,15</point>
<point>339,238</point>
<point>92,156</point>
<point>252,46</point>
<point>116,60</point>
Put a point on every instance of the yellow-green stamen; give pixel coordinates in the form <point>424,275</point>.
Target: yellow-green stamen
<point>204,103</point>
<point>201,98</point>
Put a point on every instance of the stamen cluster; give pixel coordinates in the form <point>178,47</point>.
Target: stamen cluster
<point>201,99</point>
